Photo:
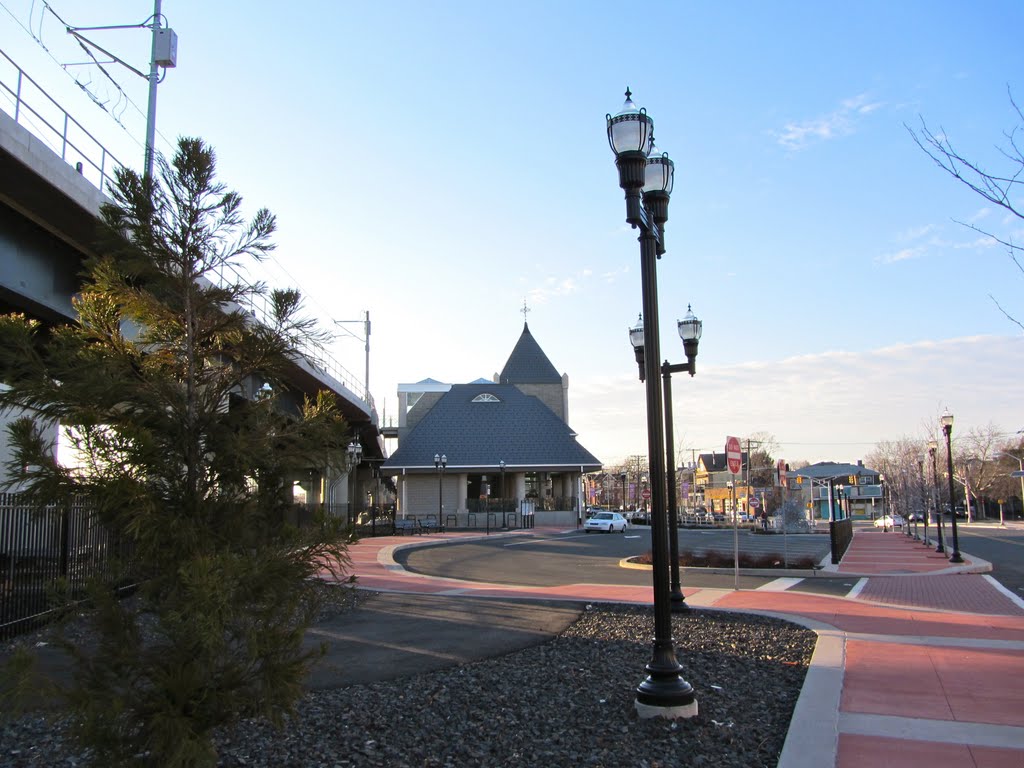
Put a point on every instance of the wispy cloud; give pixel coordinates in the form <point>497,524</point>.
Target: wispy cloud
<point>554,286</point>
<point>914,233</point>
<point>840,122</point>
<point>904,254</point>
<point>834,405</point>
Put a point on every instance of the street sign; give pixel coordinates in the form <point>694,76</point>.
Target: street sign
<point>645,493</point>
<point>732,455</point>
<point>1017,473</point>
<point>754,503</point>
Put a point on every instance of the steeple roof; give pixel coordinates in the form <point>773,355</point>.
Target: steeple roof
<point>528,364</point>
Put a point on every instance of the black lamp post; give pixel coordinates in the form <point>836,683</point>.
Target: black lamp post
<point>355,454</point>
<point>623,477</point>
<point>504,520</point>
<point>646,178</point>
<point>926,502</point>
<point>947,430</point>
<point>933,448</point>
<point>440,462</point>
<point>690,329</point>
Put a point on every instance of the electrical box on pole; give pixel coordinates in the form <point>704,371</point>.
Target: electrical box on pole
<point>165,48</point>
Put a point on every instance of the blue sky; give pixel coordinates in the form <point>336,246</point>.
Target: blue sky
<point>438,163</point>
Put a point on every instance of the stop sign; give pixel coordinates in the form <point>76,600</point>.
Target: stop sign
<point>645,493</point>
<point>732,454</point>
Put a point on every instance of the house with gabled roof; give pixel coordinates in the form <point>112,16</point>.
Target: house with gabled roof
<point>839,489</point>
<point>506,442</point>
<point>713,483</point>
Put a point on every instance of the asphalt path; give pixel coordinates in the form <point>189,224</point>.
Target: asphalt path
<point>1003,547</point>
<point>580,558</point>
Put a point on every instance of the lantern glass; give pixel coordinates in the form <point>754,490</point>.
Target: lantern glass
<point>690,328</point>
<point>636,333</point>
<point>660,172</point>
<point>631,130</point>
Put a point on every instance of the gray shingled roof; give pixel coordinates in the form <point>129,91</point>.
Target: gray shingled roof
<point>716,462</point>
<point>518,429</point>
<point>827,469</point>
<point>528,364</point>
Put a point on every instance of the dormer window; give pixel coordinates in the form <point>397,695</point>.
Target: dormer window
<point>486,397</point>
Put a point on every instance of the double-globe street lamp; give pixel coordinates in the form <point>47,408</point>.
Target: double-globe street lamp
<point>947,430</point>
<point>925,502</point>
<point>440,462</point>
<point>355,455</point>
<point>690,329</point>
<point>646,179</point>
<point>932,450</point>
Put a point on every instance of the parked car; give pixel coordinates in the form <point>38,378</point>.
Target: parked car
<point>638,517</point>
<point>915,517</point>
<point>606,522</point>
<point>887,521</point>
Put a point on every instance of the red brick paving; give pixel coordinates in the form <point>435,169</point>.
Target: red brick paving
<point>935,683</point>
<point>964,592</point>
<point>981,686</point>
<point>857,751</point>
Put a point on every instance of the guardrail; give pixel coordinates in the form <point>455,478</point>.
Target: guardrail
<point>40,114</point>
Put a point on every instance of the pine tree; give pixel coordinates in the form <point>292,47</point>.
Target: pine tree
<point>187,462</point>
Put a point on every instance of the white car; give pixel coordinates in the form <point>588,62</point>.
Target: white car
<point>889,522</point>
<point>607,522</point>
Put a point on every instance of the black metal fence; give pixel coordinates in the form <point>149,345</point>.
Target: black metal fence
<point>41,548</point>
<point>840,536</point>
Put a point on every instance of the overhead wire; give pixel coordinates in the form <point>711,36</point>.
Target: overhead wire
<point>38,38</point>
<point>123,96</point>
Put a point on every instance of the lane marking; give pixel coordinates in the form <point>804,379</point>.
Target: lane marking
<point>857,589</point>
<point>779,585</point>
<point>546,541</point>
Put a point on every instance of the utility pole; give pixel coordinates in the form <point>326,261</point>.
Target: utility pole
<point>154,80</point>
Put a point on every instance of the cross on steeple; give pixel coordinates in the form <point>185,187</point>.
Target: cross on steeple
<point>524,310</point>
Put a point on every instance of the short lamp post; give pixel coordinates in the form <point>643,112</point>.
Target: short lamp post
<point>933,448</point>
<point>623,478</point>
<point>646,177</point>
<point>504,520</point>
<point>440,462</point>
<point>947,430</point>
<point>690,330</point>
<point>355,455</point>
<point>886,514</point>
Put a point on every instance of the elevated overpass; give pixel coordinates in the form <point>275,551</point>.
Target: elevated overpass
<point>52,177</point>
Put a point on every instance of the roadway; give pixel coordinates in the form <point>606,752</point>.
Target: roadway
<point>1003,547</point>
<point>595,559</point>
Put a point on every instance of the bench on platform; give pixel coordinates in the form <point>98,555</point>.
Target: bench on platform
<point>403,527</point>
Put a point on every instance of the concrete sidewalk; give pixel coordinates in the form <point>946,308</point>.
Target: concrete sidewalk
<point>920,663</point>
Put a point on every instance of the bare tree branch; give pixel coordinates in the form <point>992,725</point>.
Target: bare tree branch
<point>998,189</point>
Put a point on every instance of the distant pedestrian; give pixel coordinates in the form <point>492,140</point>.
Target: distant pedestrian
<point>764,520</point>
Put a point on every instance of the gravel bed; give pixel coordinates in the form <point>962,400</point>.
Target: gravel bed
<point>567,702</point>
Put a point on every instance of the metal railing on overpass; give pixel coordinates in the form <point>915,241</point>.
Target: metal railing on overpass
<point>40,114</point>
<point>34,109</point>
